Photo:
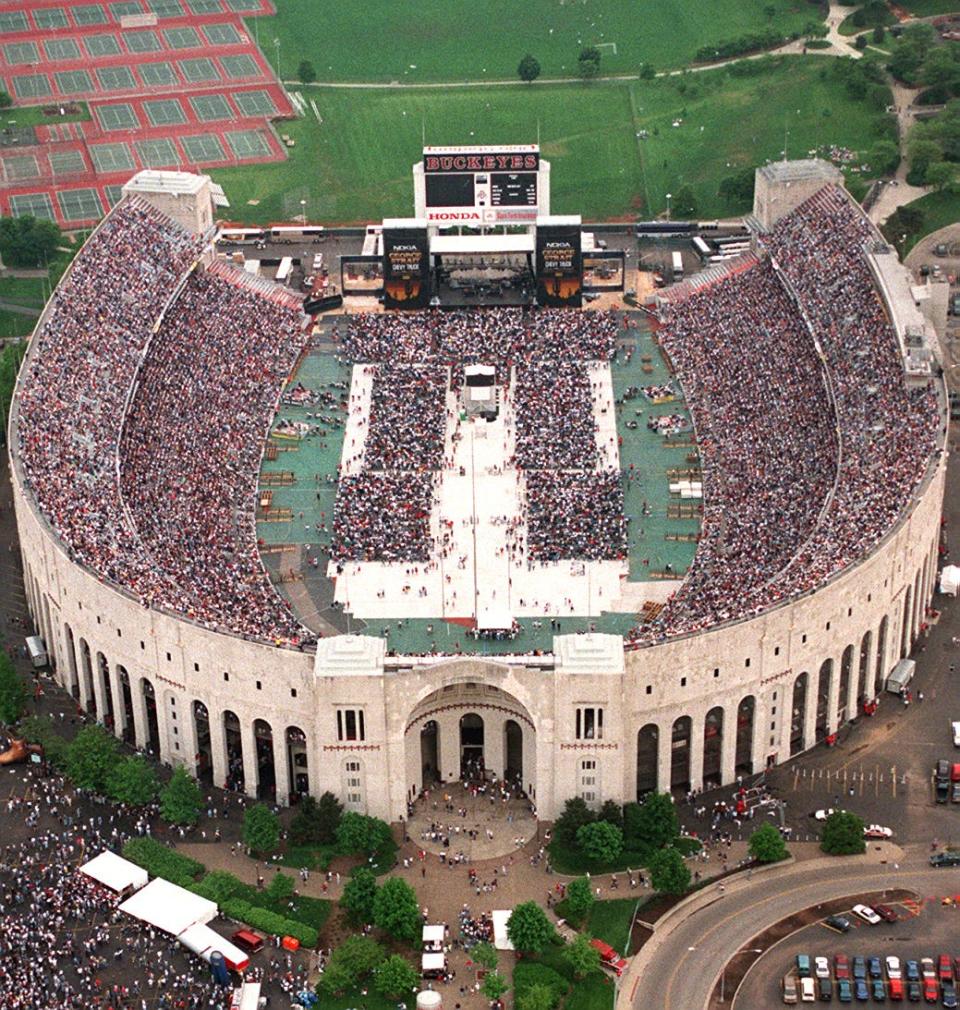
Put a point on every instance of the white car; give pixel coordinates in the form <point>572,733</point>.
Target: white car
<point>867,914</point>
<point>955,726</point>
<point>822,815</point>
<point>893,966</point>
<point>877,831</point>
<point>821,967</point>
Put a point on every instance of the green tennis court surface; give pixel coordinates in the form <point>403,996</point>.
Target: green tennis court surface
<point>166,8</point>
<point>31,86</point>
<point>67,162</point>
<point>142,41</point>
<point>124,7</point>
<point>159,153</point>
<point>34,204</point>
<point>198,70</point>
<point>117,117</point>
<point>20,52</point>
<point>164,112</point>
<point>248,144</point>
<point>203,147</point>
<point>49,18</point>
<point>221,35</point>
<point>255,103</point>
<point>89,14</point>
<point>112,157</point>
<point>182,38</point>
<point>243,65</point>
<point>113,194</point>
<point>13,21</point>
<point>205,6</point>
<point>79,204</point>
<point>116,78</point>
<point>17,167</point>
<point>157,74</point>
<point>73,82</point>
<point>210,108</point>
<point>101,45</point>
<point>61,49</point>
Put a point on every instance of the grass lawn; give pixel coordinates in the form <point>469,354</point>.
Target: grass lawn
<point>610,921</point>
<point>32,115</point>
<point>939,210</point>
<point>309,911</point>
<point>33,291</point>
<point>927,8</point>
<point>457,40</point>
<point>847,26</point>
<point>595,992</point>
<point>369,1000</point>
<point>355,166</point>
<point>573,861</point>
<point>13,324</point>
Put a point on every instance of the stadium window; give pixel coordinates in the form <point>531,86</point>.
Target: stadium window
<point>849,611</point>
<point>175,731</point>
<point>649,689</point>
<point>773,710</point>
<point>293,692</point>
<point>142,646</point>
<point>869,597</point>
<point>716,674</point>
<point>350,724</point>
<point>774,695</point>
<point>168,657</point>
<point>589,723</point>
<point>119,633</point>
<point>98,618</point>
<point>176,746</point>
<point>683,681</point>
<point>226,676</point>
<point>259,686</point>
<point>773,726</point>
<point>828,626</point>
<point>803,640</point>
<point>196,667</point>
<point>746,662</point>
<point>773,741</point>
<point>776,650</point>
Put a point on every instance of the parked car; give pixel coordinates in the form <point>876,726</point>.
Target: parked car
<point>895,989</point>
<point>955,726</point>
<point>930,990</point>
<point>927,968</point>
<point>945,968</point>
<point>821,967</point>
<point>822,815</point>
<point>941,780</point>
<point>956,968</point>
<point>844,990</point>
<point>808,991</point>
<point>911,969</point>
<point>914,993</point>
<point>838,922</point>
<point>945,859</point>
<point>859,967</point>
<point>803,966</point>
<point>955,792</point>
<point>893,966</point>
<point>866,913</point>
<point>873,966</point>
<point>247,940</point>
<point>877,831</point>
<point>860,990</point>
<point>948,995</point>
<point>824,990</point>
<point>886,913</point>
<point>841,966</point>
<point>879,990</point>
<point>790,994</point>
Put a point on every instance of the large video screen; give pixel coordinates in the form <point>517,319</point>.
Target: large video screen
<point>450,191</point>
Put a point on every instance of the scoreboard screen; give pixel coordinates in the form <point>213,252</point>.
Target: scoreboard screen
<point>513,190</point>
<point>450,191</point>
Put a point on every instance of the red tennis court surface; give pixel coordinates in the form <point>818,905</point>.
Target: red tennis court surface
<point>169,83</point>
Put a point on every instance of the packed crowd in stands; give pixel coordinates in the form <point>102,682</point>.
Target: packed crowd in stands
<point>383,517</point>
<point>555,426</point>
<point>408,418</point>
<point>575,515</point>
<point>190,458</point>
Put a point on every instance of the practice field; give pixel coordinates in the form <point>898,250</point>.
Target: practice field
<point>456,40</point>
<point>355,166</point>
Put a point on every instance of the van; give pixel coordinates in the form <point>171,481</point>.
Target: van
<point>37,650</point>
<point>901,675</point>
<point>808,991</point>
<point>789,988</point>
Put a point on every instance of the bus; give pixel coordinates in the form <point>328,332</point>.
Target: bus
<point>283,271</point>
<point>297,233</point>
<point>241,236</point>
<point>701,247</point>
<point>677,267</point>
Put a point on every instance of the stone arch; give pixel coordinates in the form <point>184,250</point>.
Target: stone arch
<point>153,720</point>
<point>846,669</point>
<point>713,729</point>
<point>798,713</point>
<point>880,671</point>
<point>648,759</point>
<point>266,770</point>
<point>429,753</point>
<point>298,771</point>
<point>472,740</point>
<point>201,732</point>
<point>233,742</point>
<point>681,736</point>
<point>918,605</point>
<point>824,680</point>
<point>743,751</point>
<point>513,751</point>
<point>863,689</point>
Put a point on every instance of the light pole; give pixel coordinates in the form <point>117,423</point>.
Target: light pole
<point>669,197</point>
<point>723,973</point>
<point>276,44</point>
<point>303,212</point>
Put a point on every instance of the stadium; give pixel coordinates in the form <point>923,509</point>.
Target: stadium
<point>369,551</point>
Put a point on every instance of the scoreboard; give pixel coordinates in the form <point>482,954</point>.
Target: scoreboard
<point>482,185</point>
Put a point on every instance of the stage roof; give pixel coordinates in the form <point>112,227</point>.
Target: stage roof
<point>480,245</point>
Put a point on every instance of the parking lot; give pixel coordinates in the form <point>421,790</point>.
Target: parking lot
<point>926,928</point>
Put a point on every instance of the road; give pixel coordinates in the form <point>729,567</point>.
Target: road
<point>679,971</point>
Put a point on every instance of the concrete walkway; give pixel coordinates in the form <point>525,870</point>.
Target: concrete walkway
<point>898,191</point>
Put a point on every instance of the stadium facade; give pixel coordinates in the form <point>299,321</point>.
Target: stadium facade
<point>600,716</point>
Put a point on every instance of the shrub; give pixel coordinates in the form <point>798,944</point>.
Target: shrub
<point>527,974</point>
<point>601,841</point>
<point>737,47</point>
<point>159,861</point>
<point>181,799</point>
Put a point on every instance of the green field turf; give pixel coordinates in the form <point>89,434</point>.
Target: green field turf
<point>456,40</point>
<point>939,210</point>
<point>355,166</point>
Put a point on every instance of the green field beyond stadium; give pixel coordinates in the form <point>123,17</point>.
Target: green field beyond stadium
<point>311,494</point>
<point>354,166</point>
<point>451,40</point>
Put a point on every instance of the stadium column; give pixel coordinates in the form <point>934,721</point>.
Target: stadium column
<point>833,701</point>
<point>696,751</point>
<point>664,755</point>
<point>119,710</point>
<point>218,750</point>
<point>281,767</point>
<point>250,766</point>
<point>98,692</point>
<point>810,715</point>
<point>188,738</point>
<point>141,733</point>
<point>163,728</point>
<point>728,744</point>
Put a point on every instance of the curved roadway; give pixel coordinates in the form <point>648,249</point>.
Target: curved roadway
<point>679,965</point>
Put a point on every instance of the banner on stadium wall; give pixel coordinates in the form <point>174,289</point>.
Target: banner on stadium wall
<point>406,268</point>
<point>559,266</point>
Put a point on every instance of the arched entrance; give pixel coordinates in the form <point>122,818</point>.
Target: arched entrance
<point>233,738</point>
<point>103,672</point>
<point>680,754</point>
<point>647,759</point>
<point>429,753</point>
<point>471,747</point>
<point>798,713</point>
<point>712,745</point>
<point>823,699</point>
<point>863,670</point>
<point>126,706</point>
<point>153,722</point>
<point>298,771</point>
<point>87,669</point>
<point>266,772</point>
<point>72,664</point>
<point>743,757</point>
<point>513,751</point>
<point>201,727</point>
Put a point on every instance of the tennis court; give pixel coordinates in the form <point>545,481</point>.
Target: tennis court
<point>79,204</point>
<point>31,86</point>
<point>157,153</point>
<point>88,15</point>
<point>222,35</point>
<point>35,204</point>
<point>122,8</point>
<point>117,117</point>
<point>112,158</point>
<point>198,70</point>
<point>61,50</point>
<point>116,78</point>
<point>143,40</point>
<point>73,82</point>
<point>182,38</point>
<point>164,112</point>
<point>243,65</point>
<point>16,53</point>
<point>113,194</point>
<point>157,74</point>
<point>49,18</point>
<point>205,6</point>
<point>17,167</point>
<point>69,162</point>
<point>243,6</point>
<point>210,108</point>
<point>98,46</point>
<point>13,21</point>
<point>204,147</point>
<point>247,144</point>
<point>166,8</point>
<point>255,103</point>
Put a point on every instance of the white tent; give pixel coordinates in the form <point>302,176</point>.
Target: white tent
<point>432,937</point>
<point>950,580</point>
<point>115,872</point>
<point>432,963</point>
<point>203,941</point>
<point>168,907</point>
<point>247,997</point>
<point>500,919</point>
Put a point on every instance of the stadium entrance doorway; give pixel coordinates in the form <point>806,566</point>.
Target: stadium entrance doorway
<point>472,768</point>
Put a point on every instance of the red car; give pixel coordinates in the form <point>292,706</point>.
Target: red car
<point>930,990</point>
<point>841,966</point>
<point>886,913</point>
<point>895,989</point>
<point>945,968</point>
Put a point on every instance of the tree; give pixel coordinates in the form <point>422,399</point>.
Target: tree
<point>579,898</point>
<point>132,781</point>
<point>306,72</point>
<point>39,729</point>
<point>588,63</point>
<point>485,954</point>
<point>359,955</point>
<point>941,175</point>
<point>358,895</point>
<point>316,821</point>
<point>574,815</point>
<point>879,34</point>
<point>13,693</point>
<point>654,822</point>
<point>767,845</point>
<point>537,997</point>
<point>529,68</point>
<point>494,986</point>
<point>885,157</point>
<point>280,887</point>
<point>668,872</point>
<point>335,980</point>
<point>601,841</point>
<point>181,799</point>
<point>261,829</point>
<point>582,956</point>
<point>738,188</point>
<point>861,42</point>
<point>923,153</point>
<point>843,835</point>
<point>941,69</point>
<point>395,977</point>
<point>397,911</point>
<point>684,203</point>
<point>529,929</point>
<point>612,812</point>
<point>647,72</point>
<point>91,757</point>
<point>220,886</point>
<point>357,833</point>
<point>28,241</point>
<point>5,100</point>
